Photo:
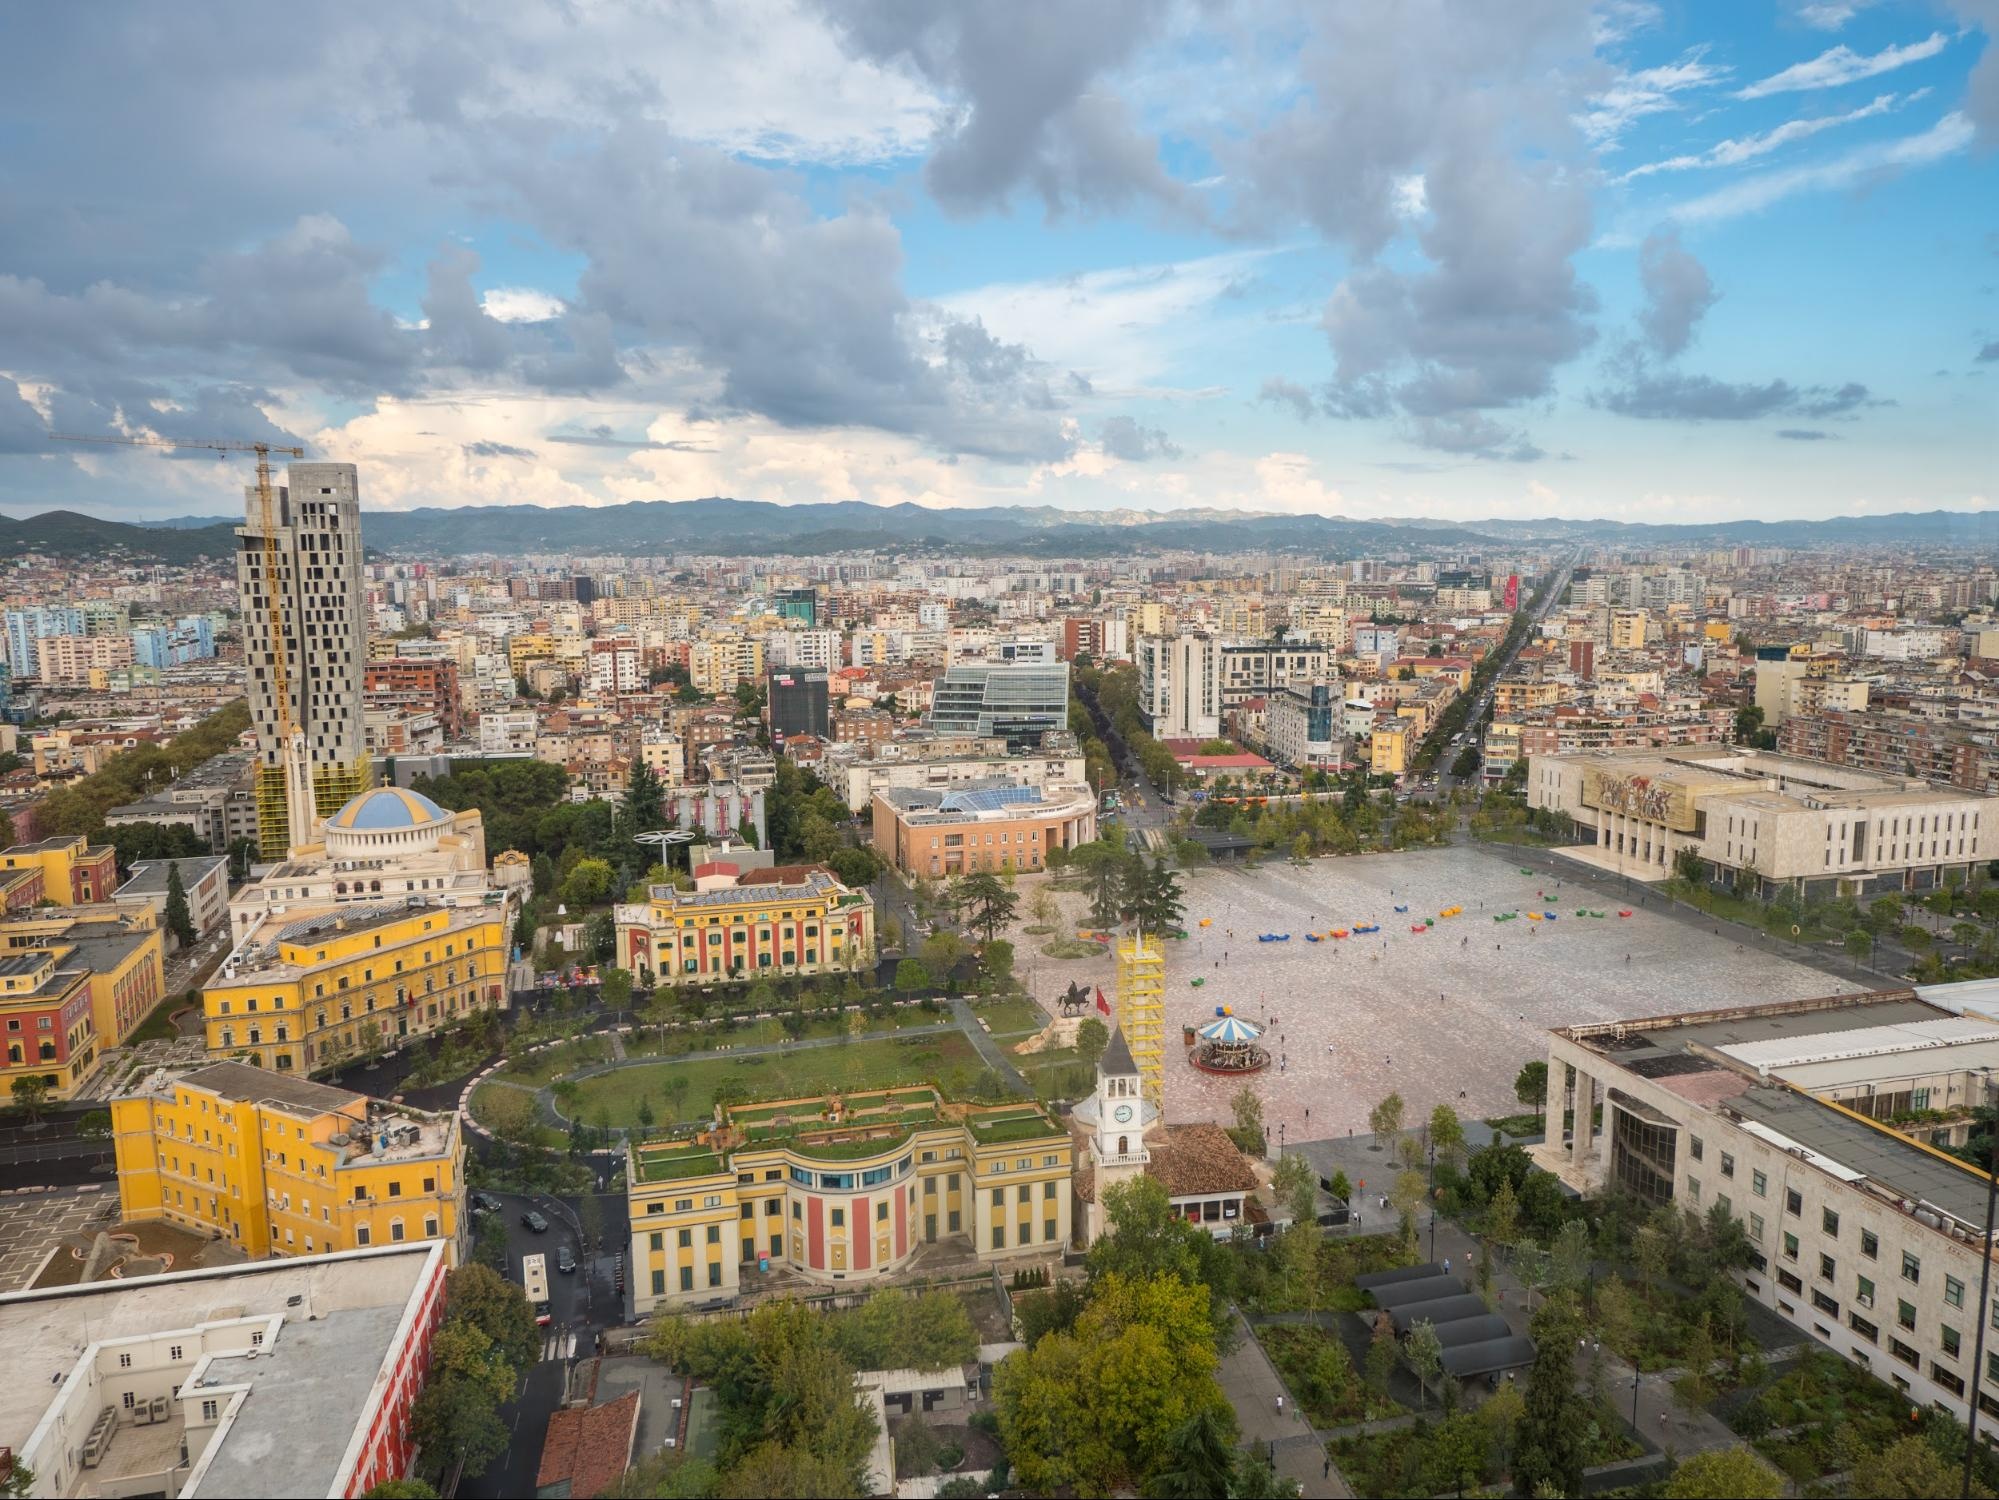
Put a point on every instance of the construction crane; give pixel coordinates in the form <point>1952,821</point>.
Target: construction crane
<point>267,517</point>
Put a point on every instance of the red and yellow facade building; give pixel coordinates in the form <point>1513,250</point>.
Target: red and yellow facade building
<point>72,871</point>
<point>842,1189</point>
<point>739,924</point>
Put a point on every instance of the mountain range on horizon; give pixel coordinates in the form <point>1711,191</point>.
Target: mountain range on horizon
<point>728,526</point>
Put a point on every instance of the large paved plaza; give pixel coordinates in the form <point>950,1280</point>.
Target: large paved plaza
<point>1460,1006</point>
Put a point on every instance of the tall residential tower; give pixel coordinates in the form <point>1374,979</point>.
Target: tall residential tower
<point>316,527</point>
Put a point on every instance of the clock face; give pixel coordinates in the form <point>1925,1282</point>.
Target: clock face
<point>1122,1114</point>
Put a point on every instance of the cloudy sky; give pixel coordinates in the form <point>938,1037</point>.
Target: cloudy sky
<point>1644,260</point>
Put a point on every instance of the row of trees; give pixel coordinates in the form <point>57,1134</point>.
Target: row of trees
<point>791,1424</point>
<point>1123,887</point>
<point>79,808</point>
<point>487,1343</point>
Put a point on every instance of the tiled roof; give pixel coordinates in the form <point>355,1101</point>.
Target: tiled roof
<point>1200,1158</point>
<point>589,1449</point>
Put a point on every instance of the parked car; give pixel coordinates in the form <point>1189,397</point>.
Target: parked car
<point>486,1203</point>
<point>535,1222</point>
<point>565,1259</point>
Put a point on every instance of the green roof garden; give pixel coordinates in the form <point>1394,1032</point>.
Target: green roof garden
<point>667,1165</point>
<point>1013,1125</point>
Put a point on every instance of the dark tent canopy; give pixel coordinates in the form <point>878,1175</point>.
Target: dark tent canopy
<point>1438,1310</point>
<point>1428,1289</point>
<point>1488,1357</point>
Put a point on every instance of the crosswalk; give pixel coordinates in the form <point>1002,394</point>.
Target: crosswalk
<point>559,1344</point>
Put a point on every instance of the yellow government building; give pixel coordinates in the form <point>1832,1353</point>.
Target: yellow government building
<point>286,1166</point>
<point>310,985</point>
<point>842,1189</point>
<point>739,924</point>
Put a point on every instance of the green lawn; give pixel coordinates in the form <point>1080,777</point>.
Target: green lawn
<point>1013,1017</point>
<point>159,1026</point>
<point>880,1063</point>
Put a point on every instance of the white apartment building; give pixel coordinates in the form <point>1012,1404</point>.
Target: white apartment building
<point>507,731</point>
<point>1180,685</point>
<point>616,666</point>
<point>1865,1238</point>
<point>803,650</point>
<point>1800,823</point>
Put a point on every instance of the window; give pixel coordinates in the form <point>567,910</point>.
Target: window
<point>1758,1184</point>
<point>1905,1354</point>
<point>1912,1266</point>
<point>881,1213</point>
<point>658,1240</point>
<point>1694,1189</point>
<point>1794,1201</point>
<point>1829,1221</point>
<point>1870,1244</point>
<point>714,1234</point>
<point>209,1409</point>
<point>1790,1247</point>
<point>686,1238</point>
<point>1951,1341</point>
<point>1696,1148</point>
<point>1862,1327</point>
<point>1866,1292</point>
<point>1048,1191</point>
<point>999,1197</point>
<point>687,1278</point>
<point>361,1234</point>
<point>1827,1270</point>
<point>124,1361</point>
<point>659,1283</point>
<point>1727,1164</point>
<point>839,1218</point>
<point>1905,1313</point>
<point>1953,1291</point>
<point>999,1236</point>
<point>1756,1227</point>
<point>714,1273</point>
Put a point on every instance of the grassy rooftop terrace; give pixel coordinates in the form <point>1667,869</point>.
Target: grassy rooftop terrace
<point>672,1162</point>
<point>1022,1124</point>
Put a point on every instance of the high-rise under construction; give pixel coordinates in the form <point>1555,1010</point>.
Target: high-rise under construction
<point>304,658</point>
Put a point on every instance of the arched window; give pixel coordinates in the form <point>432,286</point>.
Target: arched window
<point>1124,1145</point>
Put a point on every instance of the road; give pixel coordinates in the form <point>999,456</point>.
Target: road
<point>1482,705</point>
<point>580,1304</point>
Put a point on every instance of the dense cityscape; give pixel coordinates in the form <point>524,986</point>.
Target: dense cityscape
<point>858,750</point>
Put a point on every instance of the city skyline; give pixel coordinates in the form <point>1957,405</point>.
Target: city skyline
<point>1626,261</point>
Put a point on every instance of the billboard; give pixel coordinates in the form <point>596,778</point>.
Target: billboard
<point>1512,591</point>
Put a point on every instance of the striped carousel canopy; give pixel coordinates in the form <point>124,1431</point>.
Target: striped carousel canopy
<point>1230,1029</point>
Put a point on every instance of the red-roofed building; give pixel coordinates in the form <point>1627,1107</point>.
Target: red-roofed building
<point>1207,767</point>
<point>587,1449</point>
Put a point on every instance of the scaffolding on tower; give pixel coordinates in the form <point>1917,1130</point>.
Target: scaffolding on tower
<point>1141,1009</point>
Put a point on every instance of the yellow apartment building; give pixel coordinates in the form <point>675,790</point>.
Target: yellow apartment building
<point>739,924</point>
<point>1388,746</point>
<point>45,1017</point>
<point>123,951</point>
<point>286,1166</point>
<point>304,991</point>
<point>842,1189</point>
<point>74,871</point>
<point>716,666</point>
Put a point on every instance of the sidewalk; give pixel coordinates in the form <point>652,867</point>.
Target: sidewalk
<point>1253,1385</point>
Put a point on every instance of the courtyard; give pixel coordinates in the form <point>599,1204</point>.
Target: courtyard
<point>1462,1005</point>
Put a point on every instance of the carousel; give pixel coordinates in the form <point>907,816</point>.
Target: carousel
<point>1227,1044</point>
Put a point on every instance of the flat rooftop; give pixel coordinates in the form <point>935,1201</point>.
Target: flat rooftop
<point>308,1390</point>
<point>46,1332</point>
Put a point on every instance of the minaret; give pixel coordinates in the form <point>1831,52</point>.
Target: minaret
<point>301,815</point>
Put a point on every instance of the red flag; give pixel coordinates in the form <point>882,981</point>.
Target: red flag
<point>1102,1004</point>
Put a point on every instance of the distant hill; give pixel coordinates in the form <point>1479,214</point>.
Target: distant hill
<point>755,527</point>
<point>64,533</point>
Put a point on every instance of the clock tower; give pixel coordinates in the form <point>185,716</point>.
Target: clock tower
<point>1117,1116</point>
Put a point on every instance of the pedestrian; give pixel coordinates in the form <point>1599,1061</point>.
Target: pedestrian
<point>1447,1265</point>
<point>1327,1472</point>
<point>1280,1406</point>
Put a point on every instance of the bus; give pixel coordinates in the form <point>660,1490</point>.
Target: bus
<point>534,1281</point>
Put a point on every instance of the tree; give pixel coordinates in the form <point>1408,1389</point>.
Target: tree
<point>1296,1188</point>
<point>461,1351</point>
<point>1552,1430</point>
<point>456,1421</point>
<point>1341,1188</point>
<point>1733,1474</point>
<point>1447,1135</point>
<point>644,1114</point>
<point>1531,1087</point>
<point>1426,1353</point>
<point>1912,1468</point>
<point>1248,1132</point>
<point>497,1307</point>
<point>1092,1036</point>
<point>1199,1460</point>
<point>998,959</point>
<point>983,900</point>
<point>1385,1118</point>
<point>1569,1256</point>
<point>911,976</point>
<point>600,938</point>
<point>31,1095</point>
<point>1502,1214</point>
<point>617,990</point>
<point>401,1489</point>
<point>1409,1193</point>
<point>645,800</point>
<point>1459,1450</point>
<point>1859,944</point>
<point>543,870</point>
<point>1157,901</point>
<point>588,883</point>
<point>179,921</point>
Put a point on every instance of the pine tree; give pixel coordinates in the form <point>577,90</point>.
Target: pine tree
<point>179,921</point>
<point>644,799</point>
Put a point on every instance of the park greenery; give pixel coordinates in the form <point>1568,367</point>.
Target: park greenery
<point>487,1342</point>
<point>783,1378</point>
<point>79,807</point>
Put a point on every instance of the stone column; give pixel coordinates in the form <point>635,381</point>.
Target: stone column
<point>1551,1104</point>
<point>1581,1143</point>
